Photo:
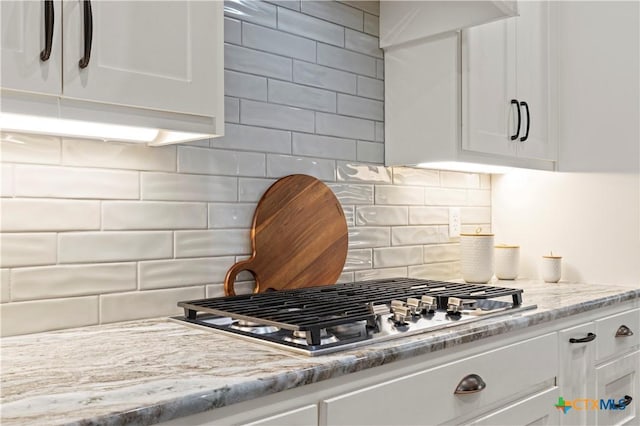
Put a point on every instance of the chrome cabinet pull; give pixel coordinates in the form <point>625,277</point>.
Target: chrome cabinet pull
<point>471,383</point>
<point>624,331</point>
<point>88,33</point>
<point>48,30</point>
<point>590,338</point>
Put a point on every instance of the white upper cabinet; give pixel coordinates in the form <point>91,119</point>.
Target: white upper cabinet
<point>154,65</point>
<point>31,47</point>
<point>505,86</point>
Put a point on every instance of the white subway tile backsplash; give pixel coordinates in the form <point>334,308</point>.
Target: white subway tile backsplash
<point>349,172</point>
<point>252,189</point>
<point>436,271</point>
<point>371,24</point>
<point>379,132</point>
<point>370,88</point>
<point>231,215</point>
<point>42,315</point>
<point>369,6</point>
<point>360,107</point>
<point>183,272</point>
<point>276,116</point>
<point>23,148</point>
<point>217,242</point>
<point>289,4</point>
<point>6,180</point>
<point>459,180</point>
<point>30,215</point>
<point>441,253</point>
<point>349,215</point>
<point>379,68</point>
<point>71,280</point>
<point>411,176</point>
<point>275,41</point>
<point>346,277</point>
<point>346,60</point>
<point>381,215</point>
<point>485,181</point>
<point>352,194</point>
<point>220,162</point>
<point>323,77</point>
<point>282,92</point>
<point>112,155</point>
<point>27,249</point>
<point>412,235</point>
<point>254,62</point>
<point>73,182</point>
<point>252,138</point>
<point>232,32</point>
<point>445,197</point>
<point>388,257</point>
<point>145,304</point>
<point>358,259</point>
<point>5,285</point>
<point>335,12</point>
<point>369,237</point>
<point>282,165</point>
<point>123,215</point>
<point>363,43</point>
<point>399,195</point>
<point>178,187</point>
<point>428,215</point>
<point>475,214</point>
<point>479,197</point>
<point>231,110</point>
<point>324,146</point>
<point>85,247</point>
<point>245,86</point>
<point>251,11</point>
<point>345,127</point>
<point>370,152</point>
<point>382,273</point>
<point>310,27</point>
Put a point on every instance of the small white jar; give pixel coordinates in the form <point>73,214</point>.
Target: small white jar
<point>507,260</point>
<point>551,268</point>
<point>476,261</point>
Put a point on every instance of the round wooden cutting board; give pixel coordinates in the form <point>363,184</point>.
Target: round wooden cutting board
<point>299,237</point>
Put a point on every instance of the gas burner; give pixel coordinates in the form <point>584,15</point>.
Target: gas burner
<point>254,327</point>
<point>299,337</point>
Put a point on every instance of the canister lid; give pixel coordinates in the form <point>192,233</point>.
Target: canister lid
<point>552,257</point>
<point>506,246</point>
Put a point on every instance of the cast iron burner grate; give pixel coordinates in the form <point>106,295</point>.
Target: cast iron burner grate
<point>313,309</point>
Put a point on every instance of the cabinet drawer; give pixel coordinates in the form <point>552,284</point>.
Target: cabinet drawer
<point>614,381</point>
<point>427,397</point>
<point>535,410</point>
<point>606,328</point>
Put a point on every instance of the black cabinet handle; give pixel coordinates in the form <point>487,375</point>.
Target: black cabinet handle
<point>515,101</point>
<point>627,401</point>
<point>471,383</point>
<point>590,337</point>
<point>526,135</point>
<point>48,30</point>
<point>88,33</point>
<point>624,331</point>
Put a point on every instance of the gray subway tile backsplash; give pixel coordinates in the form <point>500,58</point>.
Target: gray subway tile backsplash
<point>113,231</point>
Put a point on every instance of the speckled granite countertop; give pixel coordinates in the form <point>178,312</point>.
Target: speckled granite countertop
<point>147,371</point>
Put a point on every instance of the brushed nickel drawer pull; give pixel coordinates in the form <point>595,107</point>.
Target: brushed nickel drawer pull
<point>624,331</point>
<point>471,383</point>
<point>590,337</point>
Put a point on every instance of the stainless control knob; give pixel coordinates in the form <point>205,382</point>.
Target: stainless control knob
<point>454,304</point>
<point>400,311</point>
<point>429,303</point>
<point>415,305</point>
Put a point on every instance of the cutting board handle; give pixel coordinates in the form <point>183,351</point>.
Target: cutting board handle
<point>230,279</point>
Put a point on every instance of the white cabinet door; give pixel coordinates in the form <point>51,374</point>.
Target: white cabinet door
<point>615,381</point>
<point>161,55</point>
<point>488,86</point>
<point>535,410</point>
<point>22,41</point>
<point>532,73</point>
<point>576,378</point>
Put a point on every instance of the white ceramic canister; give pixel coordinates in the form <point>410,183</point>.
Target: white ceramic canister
<point>551,268</point>
<point>476,257</point>
<point>507,260</point>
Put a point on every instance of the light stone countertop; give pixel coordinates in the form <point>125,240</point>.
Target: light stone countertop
<point>147,371</point>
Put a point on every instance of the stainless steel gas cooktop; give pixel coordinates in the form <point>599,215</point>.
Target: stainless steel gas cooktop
<point>321,320</point>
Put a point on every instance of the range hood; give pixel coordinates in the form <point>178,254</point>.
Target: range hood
<point>403,21</point>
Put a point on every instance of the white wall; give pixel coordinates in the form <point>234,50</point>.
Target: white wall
<point>592,220</point>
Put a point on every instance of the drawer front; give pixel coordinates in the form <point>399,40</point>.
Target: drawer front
<point>606,328</point>
<point>535,410</point>
<point>307,415</point>
<point>614,381</point>
<point>427,397</point>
